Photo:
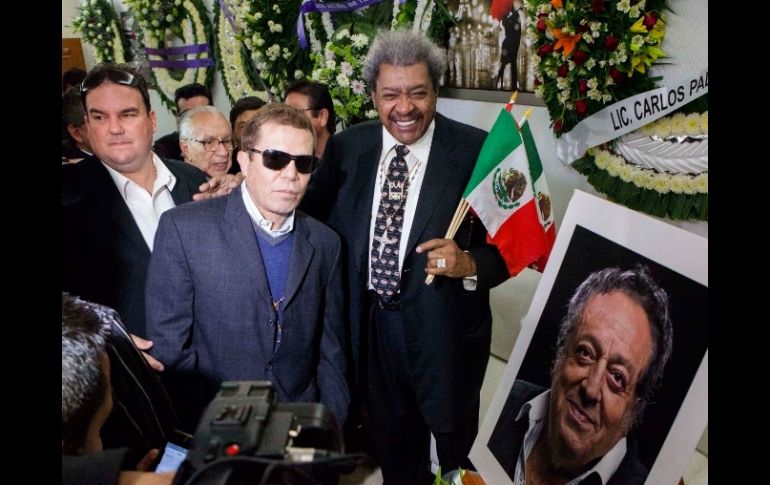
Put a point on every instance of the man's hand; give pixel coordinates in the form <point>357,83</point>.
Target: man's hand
<point>147,460</point>
<point>143,345</point>
<point>219,185</point>
<point>445,258</point>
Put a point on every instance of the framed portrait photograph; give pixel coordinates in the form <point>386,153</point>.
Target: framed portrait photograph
<point>609,375</point>
<point>488,55</point>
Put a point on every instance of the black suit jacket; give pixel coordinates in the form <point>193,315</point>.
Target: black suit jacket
<point>449,327</point>
<point>104,257</point>
<point>508,435</point>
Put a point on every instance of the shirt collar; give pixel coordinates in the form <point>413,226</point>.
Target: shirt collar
<point>420,149</point>
<point>260,220</point>
<point>536,409</point>
<point>163,177</point>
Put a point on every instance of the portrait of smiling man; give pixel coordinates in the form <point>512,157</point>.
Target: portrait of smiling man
<point>612,348</point>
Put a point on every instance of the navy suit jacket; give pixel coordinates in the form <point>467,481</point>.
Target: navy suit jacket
<point>449,327</point>
<point>209,308</point>
<point>104,256</point>
<point>508,435</point>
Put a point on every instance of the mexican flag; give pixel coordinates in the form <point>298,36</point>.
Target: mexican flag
<point>502,193</point>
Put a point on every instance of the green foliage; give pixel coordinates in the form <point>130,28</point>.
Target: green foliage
<point>100,27</point>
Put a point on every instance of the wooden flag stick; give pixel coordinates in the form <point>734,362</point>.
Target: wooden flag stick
<point>462,209</point>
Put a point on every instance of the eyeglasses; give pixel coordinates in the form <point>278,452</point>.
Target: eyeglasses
<point>213,144</point>
<point>97,78</point>
<point>278,160</point>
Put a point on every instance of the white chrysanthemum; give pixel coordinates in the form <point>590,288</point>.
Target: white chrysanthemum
<point>342,34</point>
<point>371,114</point>
<point>678,122</point>
<point>662,183</point>
<point>662,127</point>
<point>704,123</point>
<point>358,87</point>
<point>539,91</point>
<point>359,41</point>
<point>701,183</point>
<point>678,183</point>
<point>343,80</point>
<point>346,68</point>
<point>692,124</point>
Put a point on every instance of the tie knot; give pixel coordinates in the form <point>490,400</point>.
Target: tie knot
<point>401,150</point>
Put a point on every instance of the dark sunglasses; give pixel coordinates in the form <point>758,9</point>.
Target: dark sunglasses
<point>98,78</point>
<point>277,160</point>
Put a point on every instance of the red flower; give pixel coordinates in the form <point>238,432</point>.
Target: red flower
<point>545,49</point>
<point>582,28</point>
<point>563,70</point>
<point>611,42</point>
<point>617,76</point>
<point>579,57</point>
<point>581,107</point>
<point>649,20</point>
<point>557,125</point>
<point>538,82</point>
<point>541,25</point>
<point>597,6</point>
<point>583,86</point>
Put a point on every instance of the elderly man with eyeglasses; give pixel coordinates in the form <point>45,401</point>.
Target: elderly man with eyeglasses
<point>206,140</point>
<point>246,287</point>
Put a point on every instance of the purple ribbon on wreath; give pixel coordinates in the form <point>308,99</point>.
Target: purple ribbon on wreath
<point>323,7</point>
<point>228,15</point>
<point>182,50</point>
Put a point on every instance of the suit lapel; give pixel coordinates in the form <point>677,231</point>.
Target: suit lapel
<point>439,172</point>
<point>364,180</point>
<point>243,241</point>
<point>182,192</point>
<point>301,255</point>
<point>99,186</point>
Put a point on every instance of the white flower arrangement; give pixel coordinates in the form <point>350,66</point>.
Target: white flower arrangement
<point>643,178</point>
<point>233,65</point>
<point>186,20</point>
<point>660,169</point>
<point>98,23</point>
<point>267,31</point>
<point>340,67</point>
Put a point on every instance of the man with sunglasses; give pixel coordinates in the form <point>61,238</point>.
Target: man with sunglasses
<point>421,350</point>
<point>111,201</point>
<point>206,140</point>
<point>245,287</point>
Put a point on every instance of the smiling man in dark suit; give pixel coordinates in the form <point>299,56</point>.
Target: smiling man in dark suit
<point>111,201</point>
<point>421,350</point>
<point>245,287</point>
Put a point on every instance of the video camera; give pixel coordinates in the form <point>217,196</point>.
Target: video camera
<point>245,435</point>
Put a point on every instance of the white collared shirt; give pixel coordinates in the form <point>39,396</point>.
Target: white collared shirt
<point>417,160</point>
<point>260,220</point>
<point>536,411</point>
<point>146,208</point>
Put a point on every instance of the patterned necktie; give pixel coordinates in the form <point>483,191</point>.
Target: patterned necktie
<point>386,276</point>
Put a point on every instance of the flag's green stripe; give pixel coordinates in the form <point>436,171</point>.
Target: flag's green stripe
<point>535,166</point>
<point>503,138</point>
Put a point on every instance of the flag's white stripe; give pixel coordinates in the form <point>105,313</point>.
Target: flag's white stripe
<point>483,200</point>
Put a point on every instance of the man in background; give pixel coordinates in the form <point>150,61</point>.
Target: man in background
<point>421,351</point>
<point>240,114</point>
<point>111,201</point>
<point>87,401</point>
<point>186,98</point>
<point>206,140</point>
<point>75,144</point>
<point>612,349</point>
